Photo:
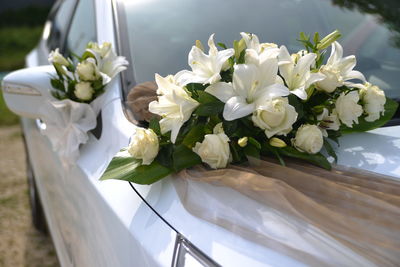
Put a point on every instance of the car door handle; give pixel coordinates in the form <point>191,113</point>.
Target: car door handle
<point>40,124</point>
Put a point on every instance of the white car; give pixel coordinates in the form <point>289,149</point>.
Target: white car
<point>114,223</point>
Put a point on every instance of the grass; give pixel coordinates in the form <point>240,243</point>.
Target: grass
<point>15,44</point>
<point>7,118</point>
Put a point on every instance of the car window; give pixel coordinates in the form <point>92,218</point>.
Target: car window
<point>57,25</point>
<point>162,46</point>
<point>82,29</point>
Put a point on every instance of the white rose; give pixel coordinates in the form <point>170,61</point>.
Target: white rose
<point>83,91</point>
<point>333,79</point>
<point>174,105</point>
<point>374,101</point>
<point>275,117</point>
<point>57,58</point>
<point>87,70</point>
<point>347,108</point>
<point>144,145</point>
<point>214,150</point>
<point>308,139</point>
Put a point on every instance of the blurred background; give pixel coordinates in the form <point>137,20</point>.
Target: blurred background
<point>21,24</point>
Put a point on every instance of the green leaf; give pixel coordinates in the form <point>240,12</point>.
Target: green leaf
<point>241,59</point>
<point>279,157</point>
<point>57,84</point>
<point>86,54</point>
<point>230,127</point>
<point>195,88</point>
<point>164,156</point>
<point>155,125</point>
<point>184,157</point>
<point>208,109</point>
<point>316,37</point>
<point>234,148</point>
<point>222,45</point>
<point>329,149</point>
<point>98,84</point>
<point>205,97</point>
<point>252,150</point>
<point>195,134</point>
<point>363,125</point>
<point>254,142</point>
<point>296,103</point>
<point>317,159</point>
<point>124,167</point>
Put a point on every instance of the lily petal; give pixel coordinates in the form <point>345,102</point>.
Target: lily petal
<point>303,65</point>
<point>347,64</point>
<point>300,93</point>
<point>221,90</point>
<point>272,91</point>
<point>336,53</point>
<point>314,77</point>
<point>251,41</point>
<point>237,107</point>
<point>355,74</point>
<point>269,71</point>
<point>244,77</point>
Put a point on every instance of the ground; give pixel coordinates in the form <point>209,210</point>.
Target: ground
<point>20,243</point>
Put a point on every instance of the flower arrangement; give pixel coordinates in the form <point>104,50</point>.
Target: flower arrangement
<point>77,87</point>
<point>252,100</point>
<point>86,80</point>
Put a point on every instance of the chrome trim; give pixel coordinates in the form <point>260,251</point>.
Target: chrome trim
<point>120,28</point>
<point>183,247</point>
<point>19,89</point>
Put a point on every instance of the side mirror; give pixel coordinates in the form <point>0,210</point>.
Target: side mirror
<point>26,90</point>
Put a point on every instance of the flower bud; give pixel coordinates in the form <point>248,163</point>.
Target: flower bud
<point>56,58</point>
<point>239,46</point>
<point>328,40</point>
<point>199,45</point>
<point>276,142</point>
<point>242,142</point>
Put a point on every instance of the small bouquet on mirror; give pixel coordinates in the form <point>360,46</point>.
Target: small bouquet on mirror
<point>78,89</point>
<point>253,100</point>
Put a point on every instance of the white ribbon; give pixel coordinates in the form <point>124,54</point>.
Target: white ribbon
<point>67,123</point>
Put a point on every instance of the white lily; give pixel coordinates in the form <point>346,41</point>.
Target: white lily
<point>252,86</point>
<point>108,62</point>
<point>205,68</point>
<point>257,52</point>
<point>338,70</point>
<point>296,71</point>
<point>174,105</point>
<point>328,121</point>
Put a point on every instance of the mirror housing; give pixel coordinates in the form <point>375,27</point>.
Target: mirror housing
<point>26,90</point>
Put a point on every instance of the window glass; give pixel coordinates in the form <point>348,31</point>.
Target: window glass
<point>161,32</point>
<point>59,24</point>
<point>83,28</point>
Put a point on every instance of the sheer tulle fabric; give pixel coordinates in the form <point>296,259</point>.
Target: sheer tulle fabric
<point>320,218</point>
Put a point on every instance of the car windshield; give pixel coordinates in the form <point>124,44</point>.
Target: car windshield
<point>160,33</point>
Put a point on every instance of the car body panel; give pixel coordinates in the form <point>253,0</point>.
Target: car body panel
<point>377,151</point>
<point>105,223</point>
<point>96,223</point>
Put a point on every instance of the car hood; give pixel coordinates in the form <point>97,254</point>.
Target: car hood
<point>377,151</point>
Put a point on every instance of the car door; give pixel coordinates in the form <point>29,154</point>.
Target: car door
<point>72,27</point>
